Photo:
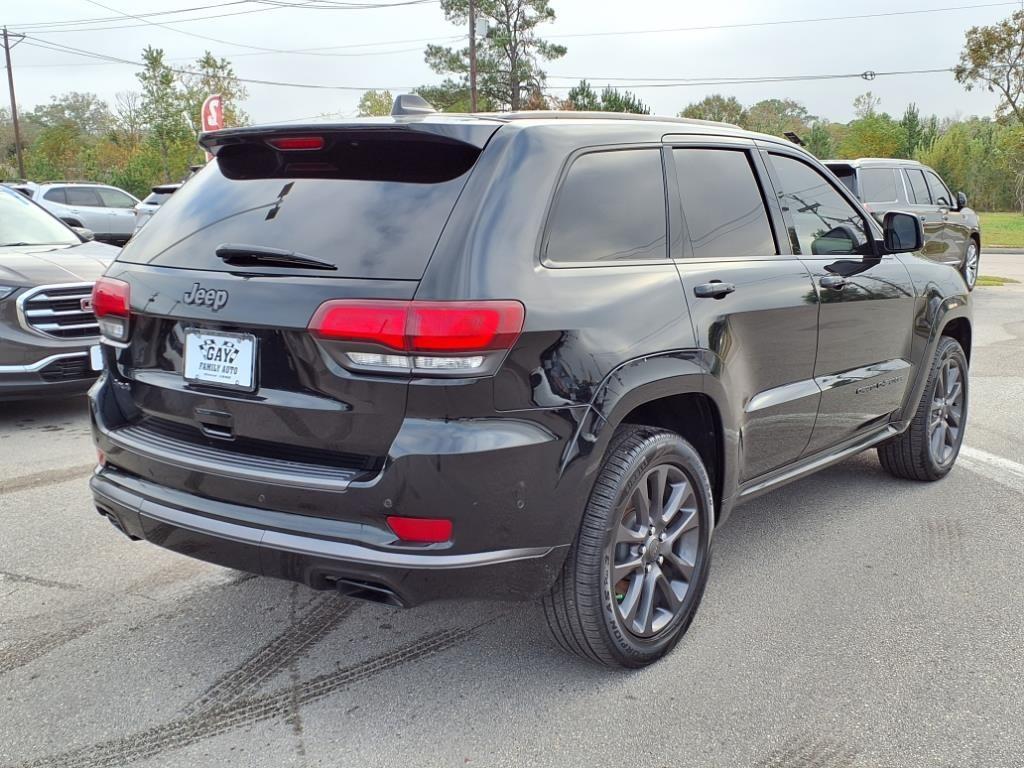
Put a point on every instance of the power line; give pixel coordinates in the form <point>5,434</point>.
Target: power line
<point>46,45</point>
<point>689,82</point>
<point>780,22</point>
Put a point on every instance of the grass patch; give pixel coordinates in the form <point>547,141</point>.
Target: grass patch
<point>1002,229</point>
<point>994,280</point>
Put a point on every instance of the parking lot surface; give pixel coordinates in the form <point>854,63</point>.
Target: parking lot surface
<point>851,620</point>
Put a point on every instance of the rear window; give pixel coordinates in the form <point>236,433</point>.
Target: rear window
<point>847,175</point>
<point>722,203</point>
<point>373,209</point>
<point>83,196</point>
<point>878,184</point>
<point>156,198</point>
<point>611,207</point>
<point>55,195</point>
<point>918,187</point>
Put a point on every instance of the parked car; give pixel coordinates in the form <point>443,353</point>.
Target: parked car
<point>511,356</point>
<point>24,187</point>
<point>145,209</point>
<point>108,211</point>
<point>46,322</point>
<point>952,231</point>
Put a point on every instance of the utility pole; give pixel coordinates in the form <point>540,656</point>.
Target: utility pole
<point>472,56</point>
<point>14,106</point>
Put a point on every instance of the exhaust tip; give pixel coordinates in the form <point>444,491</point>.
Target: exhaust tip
<point>116,522</point>
<point>373,593</point>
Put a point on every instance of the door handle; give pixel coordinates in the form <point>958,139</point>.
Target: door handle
<point>835,282</point>
<point>716,289</point>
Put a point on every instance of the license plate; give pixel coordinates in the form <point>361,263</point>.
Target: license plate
<point>96,357</point>
<point>219,358</point>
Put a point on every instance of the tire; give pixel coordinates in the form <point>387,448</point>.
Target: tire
<point>915,454</point>
<point>585,609</point>
<point>971,263</point>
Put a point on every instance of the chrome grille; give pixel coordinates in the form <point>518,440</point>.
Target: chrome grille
<point>57,310</point>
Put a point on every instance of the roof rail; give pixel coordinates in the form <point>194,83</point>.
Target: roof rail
<point>73,181</point>
<point>411,104</point>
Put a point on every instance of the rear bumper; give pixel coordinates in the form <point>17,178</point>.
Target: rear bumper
<point>227,535</point>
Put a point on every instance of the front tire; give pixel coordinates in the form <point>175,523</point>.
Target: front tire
<point>636,572</point>
<point>971,263</point>
<point>927,450</point>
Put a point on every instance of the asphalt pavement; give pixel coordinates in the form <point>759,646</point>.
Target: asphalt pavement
<point>851,620</point>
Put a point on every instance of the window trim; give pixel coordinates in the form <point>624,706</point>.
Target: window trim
<point>895,186</point>
<point>910,187</point>
<point>949,194</point>
<point>871,226</point>
<point>557,194</point>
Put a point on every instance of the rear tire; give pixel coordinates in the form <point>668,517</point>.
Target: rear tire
<point>927,450</point>
<point>636,572</point>
<point>971,264</point>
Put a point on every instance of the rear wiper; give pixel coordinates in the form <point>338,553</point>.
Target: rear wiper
<point>258,256</point>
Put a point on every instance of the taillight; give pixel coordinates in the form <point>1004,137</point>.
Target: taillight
<point>468,334</point>
<point>111,302</point>
<point>423,530</point>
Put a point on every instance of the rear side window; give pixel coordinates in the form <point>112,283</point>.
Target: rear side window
<point>918,187</point>
<point>611,207</point>
<point>940,193</point>
<point>115,198</point>
<point>83,196</point>
<point>56,195</point>
<point>846,175</point>
<point>722,204</point>
<point>878,185</point>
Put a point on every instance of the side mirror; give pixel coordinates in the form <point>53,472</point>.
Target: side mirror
<point>961,201</point>
<point>837,241</point>
<point>84,234</point>
<point>903,232</point>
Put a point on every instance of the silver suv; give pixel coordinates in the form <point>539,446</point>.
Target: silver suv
<point>108,211</point>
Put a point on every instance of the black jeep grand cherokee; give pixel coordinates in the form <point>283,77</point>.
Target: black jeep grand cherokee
<point>514,355</point>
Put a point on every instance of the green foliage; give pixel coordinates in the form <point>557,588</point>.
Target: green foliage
<point>583,98</point>
<point>716,107</point>
<point>86,111</point>
<point>819,142</point>
<point>873,136</point>
<point>993,58</point>
<point>777,116</point>
<point>164,107</point>
<point>508,57</point>
<point>207,77</point>
<point>866,105</point>
<point>376,104</point>
<point>913,130</point>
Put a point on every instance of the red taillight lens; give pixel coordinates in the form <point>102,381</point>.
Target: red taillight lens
<point>422,326</point>
<point>292,143</point>
<point>110,297</point>
<point>423,530</point>
<point>111,303</point>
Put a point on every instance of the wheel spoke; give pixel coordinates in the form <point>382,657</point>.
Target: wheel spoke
<point>952,379</point>
<point>641,496</point>
<point>631,601</point>
<point>954,393</point>
<point>624,569</point>
<point>938,442</point>
<point>680,564</point>
<point>672,600</point>
<point>643,622</point>
<point>627,535</point>
<point>680,493</point>
<point>690,522</point>
<point>658,479</point>
<point>955,415</point>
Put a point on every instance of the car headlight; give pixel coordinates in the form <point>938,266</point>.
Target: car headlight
<point>7,290</point>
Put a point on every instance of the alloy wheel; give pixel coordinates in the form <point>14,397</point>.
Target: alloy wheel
<point>654,551</point>
<point>946,416</point>
<point>971,264</point>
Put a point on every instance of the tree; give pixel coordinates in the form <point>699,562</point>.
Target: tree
<point>208,76</point>
<point>913,130</point>
<point>724,109</point>
<point>129,122</point>
<point>508,57</point>
<point>86,111</point>
<point>866,105</point>
<point>777,116</point>
<point>873,136</point>
<point>376,104</point>
<point>163,109</point>
<point>583,98</point>
<point>993,57</point>
<point>819,141</point>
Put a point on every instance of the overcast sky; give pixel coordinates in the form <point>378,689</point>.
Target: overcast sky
<point>921,41</point>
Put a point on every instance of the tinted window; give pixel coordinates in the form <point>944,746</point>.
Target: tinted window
<point>115,198</point>
<point>156,198</point>
<point>878,185</point>
<point>824,223</point>
<point>56,195</point>
<point>940,193</point>
<point>611,207</point>
<point>918,188</point>
<point>83,196</point>
<point>722,203</point>
<point>22,221</point>
<point>846,175</point>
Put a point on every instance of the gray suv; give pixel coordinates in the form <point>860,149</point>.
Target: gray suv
<point>952,231</point>
<point>108,211</point>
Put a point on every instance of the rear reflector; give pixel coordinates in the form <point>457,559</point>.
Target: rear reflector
<point>291,143</point>
<point>423,530</point>
<point>422,326</point>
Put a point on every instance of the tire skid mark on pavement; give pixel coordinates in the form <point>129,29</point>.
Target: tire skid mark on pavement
<point>215,720</point>
<point>37,582</point>
<point>944,540</point>
<point>37,479</point>
<point>810,752</point>
<point>28,651</point>
<point>294,643</point>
